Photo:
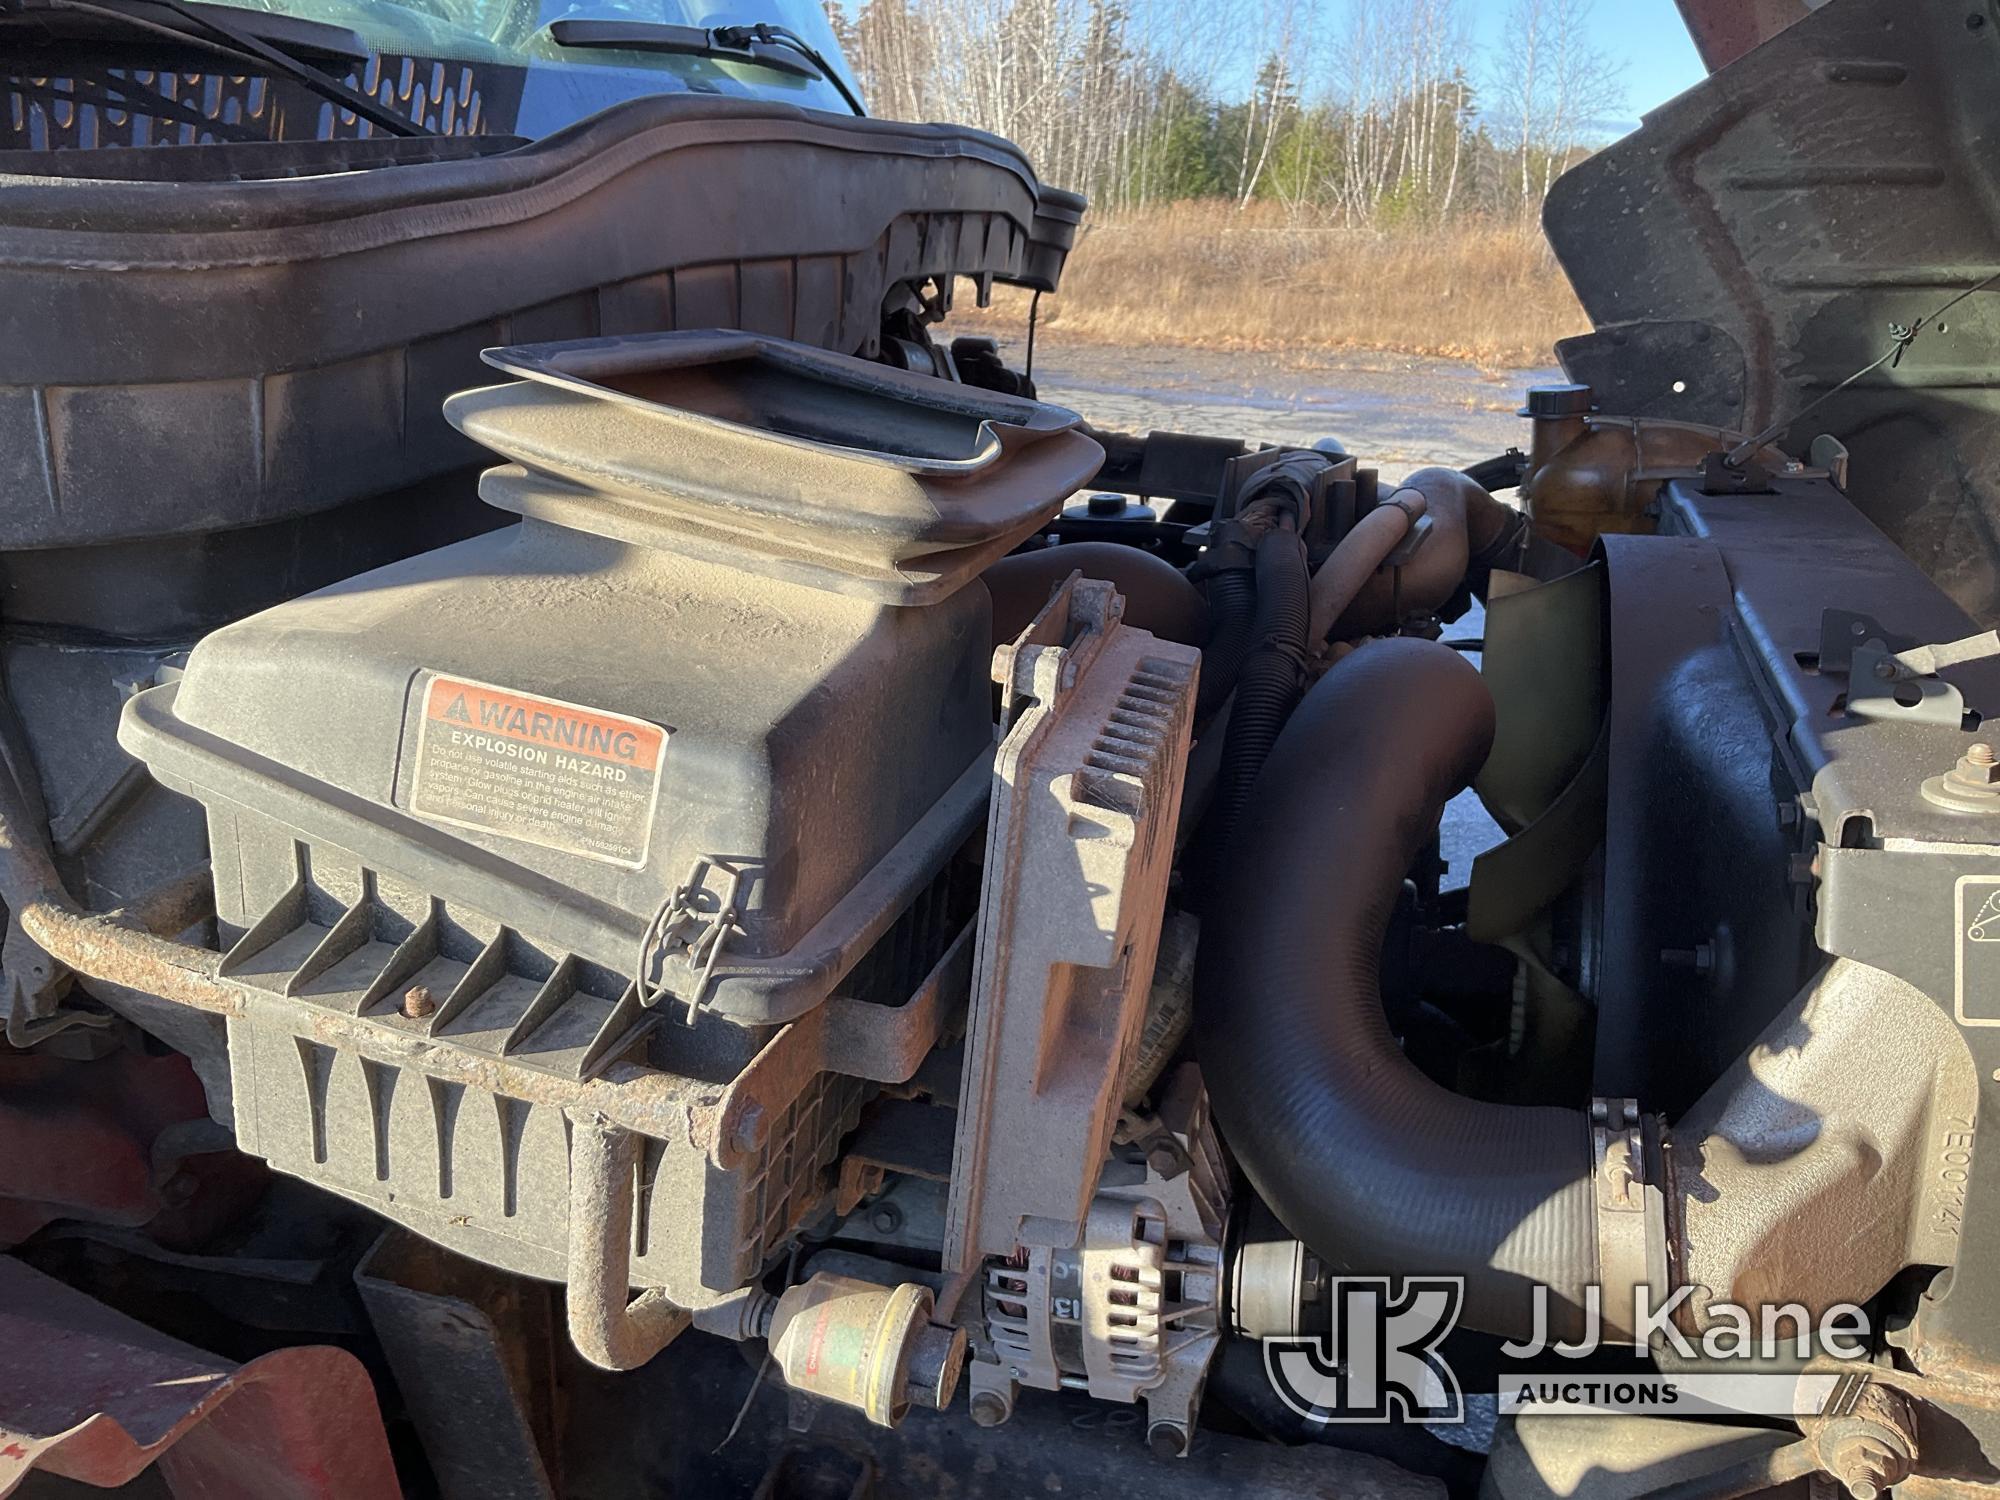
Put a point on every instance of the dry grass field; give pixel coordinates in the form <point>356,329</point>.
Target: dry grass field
<point>1207,275</point>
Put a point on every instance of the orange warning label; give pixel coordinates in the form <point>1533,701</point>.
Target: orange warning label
<point>553,773</point>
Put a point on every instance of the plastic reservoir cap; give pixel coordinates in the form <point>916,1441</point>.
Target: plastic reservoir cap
<point>1559,401</point>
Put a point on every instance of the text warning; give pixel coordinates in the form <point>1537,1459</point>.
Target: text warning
<point>552,773</point>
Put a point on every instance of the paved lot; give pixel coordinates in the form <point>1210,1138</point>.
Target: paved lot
<point>1398,412</point>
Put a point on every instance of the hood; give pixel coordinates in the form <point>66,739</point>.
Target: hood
<point>1723,30</point>
<point>1756,239</point>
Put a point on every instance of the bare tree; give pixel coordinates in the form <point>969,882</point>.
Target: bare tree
<point>1585,86</point>
<point>1553,84</point>
<point>1111,96</point>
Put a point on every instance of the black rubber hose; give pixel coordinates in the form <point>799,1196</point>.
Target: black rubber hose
<point>1504,471</point>
<point>1268,688</point>
<point>1232,622</point>
<point>1377,1168</point>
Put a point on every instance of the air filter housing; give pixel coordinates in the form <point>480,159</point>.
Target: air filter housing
<point>697,739</point>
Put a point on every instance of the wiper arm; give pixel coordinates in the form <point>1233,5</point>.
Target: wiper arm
<point>763,45</point>
<point>216,28</point>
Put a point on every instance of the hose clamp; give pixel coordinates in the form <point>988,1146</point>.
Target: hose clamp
<point>1509,547</point>
<point>1417,531</point>
<point>1395,498</point>
<point>1630,1209</point>
<point>1231,549</point>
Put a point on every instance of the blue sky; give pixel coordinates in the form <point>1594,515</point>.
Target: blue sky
<point>1646,39</point>
<point>1646,36</point>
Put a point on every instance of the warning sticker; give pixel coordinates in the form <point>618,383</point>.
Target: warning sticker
<point>1978,997</point>
<point>552,773</point>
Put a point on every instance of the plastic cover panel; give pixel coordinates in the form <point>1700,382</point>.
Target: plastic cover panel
<point>208,355</point>
<point>1086,791</point>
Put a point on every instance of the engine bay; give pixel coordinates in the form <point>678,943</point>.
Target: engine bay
<point>637,877</point>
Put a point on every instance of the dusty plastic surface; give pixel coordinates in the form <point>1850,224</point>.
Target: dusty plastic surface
<point>808,467</point>
<point>193,356</point>
<point>449,800</point>
<point>1079,844</point>
<point>787,736</point>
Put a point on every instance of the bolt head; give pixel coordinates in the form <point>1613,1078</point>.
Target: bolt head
<point>1978,767</point>
<point>1865,1469</point>
<point>419,1002</point>
<point>1867,1465</point>
<point>1164,1159</point>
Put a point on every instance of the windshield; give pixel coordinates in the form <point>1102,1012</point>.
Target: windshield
<point>520,82</point>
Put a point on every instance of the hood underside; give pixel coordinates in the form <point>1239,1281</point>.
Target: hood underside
<point>1758,238</point>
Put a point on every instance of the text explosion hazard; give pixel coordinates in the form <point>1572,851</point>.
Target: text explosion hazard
<point>538,769</point>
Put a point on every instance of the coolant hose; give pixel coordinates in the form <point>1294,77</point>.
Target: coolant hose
<point>1269,684</point>
<point>1358,558</point>
<point>1377,1168</point>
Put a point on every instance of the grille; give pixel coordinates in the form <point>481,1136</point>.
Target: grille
<point>89,108</point>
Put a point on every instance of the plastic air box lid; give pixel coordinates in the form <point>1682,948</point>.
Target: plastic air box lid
<point>775,458</point>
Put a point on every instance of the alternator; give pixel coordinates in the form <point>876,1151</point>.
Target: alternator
<point>1133,1312</point>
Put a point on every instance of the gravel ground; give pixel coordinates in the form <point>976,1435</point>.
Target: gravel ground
<point>1397,412</point>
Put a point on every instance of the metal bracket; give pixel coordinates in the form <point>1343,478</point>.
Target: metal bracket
<point>1402,555</point>
<point>680,929</point>
<point>1720,477</point>
<point>1830,453</point>
<point>1631,1239</point>
<point>1163,1151</point>
<point>1406,550</point>
<point>1886,683</point>
<point>1058,647</point>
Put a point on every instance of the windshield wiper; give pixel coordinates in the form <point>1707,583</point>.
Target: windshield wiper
<point>762,44</point>
<point>227,29</point>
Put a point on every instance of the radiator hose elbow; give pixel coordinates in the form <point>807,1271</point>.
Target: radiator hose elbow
<point>1374,1166</point>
